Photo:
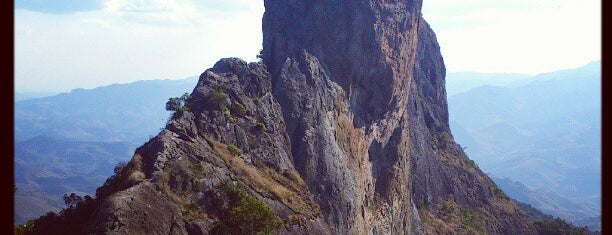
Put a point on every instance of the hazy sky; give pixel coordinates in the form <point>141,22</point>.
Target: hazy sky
<point>65,44</point>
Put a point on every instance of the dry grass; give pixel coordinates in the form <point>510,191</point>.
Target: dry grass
<point>266,181</point>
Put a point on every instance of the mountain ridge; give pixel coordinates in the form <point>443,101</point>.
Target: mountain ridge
<point>334,133</point>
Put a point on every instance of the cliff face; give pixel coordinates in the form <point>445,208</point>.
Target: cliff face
<point>344,130</point>
<point>361,85</point>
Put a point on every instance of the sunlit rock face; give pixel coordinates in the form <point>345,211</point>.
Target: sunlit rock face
<point>343,129</point>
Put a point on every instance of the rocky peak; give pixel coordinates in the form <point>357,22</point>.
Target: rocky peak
<point>366,46</point>
<point>344,130</point>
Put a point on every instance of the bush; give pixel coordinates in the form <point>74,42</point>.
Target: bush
<point>216,100</point>
<point>239,109</point>
<point>252,216</point>
<point>173,104</point>
<point>178,104</point>
<point>120,167</point>
<point>71,220</point>
<point>234,151</point>
<point>260,127</point>
<point>558,226</point>
<point>468,218</point>
<point>243,214</point>
<point>449,206</point>
<point>496,191</point>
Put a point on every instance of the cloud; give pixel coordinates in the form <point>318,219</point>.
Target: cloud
<point>126,40</point>
<point>59,6</point>
<point>129,40</point>
<point>516,36</point>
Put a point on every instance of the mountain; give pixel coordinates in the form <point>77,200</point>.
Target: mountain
<point>341,129</point>
<point>593,223</point>
<point>459,82</point>
<point>552,203</point>
<point>46,169</point>
<point>64,143</point>
<point>545,134</point>
<point>20,96</point>
<point>120,112</point>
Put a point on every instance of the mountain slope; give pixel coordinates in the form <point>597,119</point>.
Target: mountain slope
<point>46,169</point>
<point>545,134</point>
<point>548,202</point>
<point>55,127</point>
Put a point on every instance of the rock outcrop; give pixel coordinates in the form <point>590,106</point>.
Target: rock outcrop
<point>361,85</point>
<point>343,129</point>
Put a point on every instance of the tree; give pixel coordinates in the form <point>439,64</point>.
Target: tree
<point>252,217</point>
<point>174,104</point>
<point>178,104</point>
<point>120,167</point>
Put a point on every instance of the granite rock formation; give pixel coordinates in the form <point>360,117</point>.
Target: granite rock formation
<point>343,129</point>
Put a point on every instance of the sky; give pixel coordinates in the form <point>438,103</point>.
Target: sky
<point>62,45</point>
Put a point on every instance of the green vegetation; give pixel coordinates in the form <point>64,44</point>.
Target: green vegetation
<point>216,100</point>
<point>467,218</point>
<point>472,220</point>
<point>26,228</point>
<point>178,104</point>
<point>234,150</point>
<point>449,206</point>
<point>125,176</point>
<point>497,192</point>
<point>260,127</point>
<point>558,226</point>
<point>472,163</point>
<point>239,109</point>
<point>72,220</point>
<point>241,213</point>
<point>193,211</point>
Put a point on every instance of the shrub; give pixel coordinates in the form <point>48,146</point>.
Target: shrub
<point>496,191</point>
<point>239,109</point>
<point>558,226</point>
<point>71,220</point>
<point>173,104</point>
<point>216,100</point>
<point>178,104</point>
<point>468,218</point>
<point>449,206</point>
<point>243,214</point>
<point>260,127</point>
<point>253,216</point>
<point>120,167</point>
<point>226,112</point>
<point>234,150</point>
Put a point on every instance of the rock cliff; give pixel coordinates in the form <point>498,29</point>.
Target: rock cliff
<point>343,129</point>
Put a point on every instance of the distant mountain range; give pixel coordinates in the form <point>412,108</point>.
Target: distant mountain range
<point>71,142</point>
<point>121,112</point>
<point>545,133</point>
<point>459,82</point>
<point>20,96</point>
<point>47,168</point>
<point>541,131</point>
<point>552,203</point>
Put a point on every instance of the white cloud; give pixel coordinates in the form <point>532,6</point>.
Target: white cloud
<point>128,41</point>
<point>527,37</point>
